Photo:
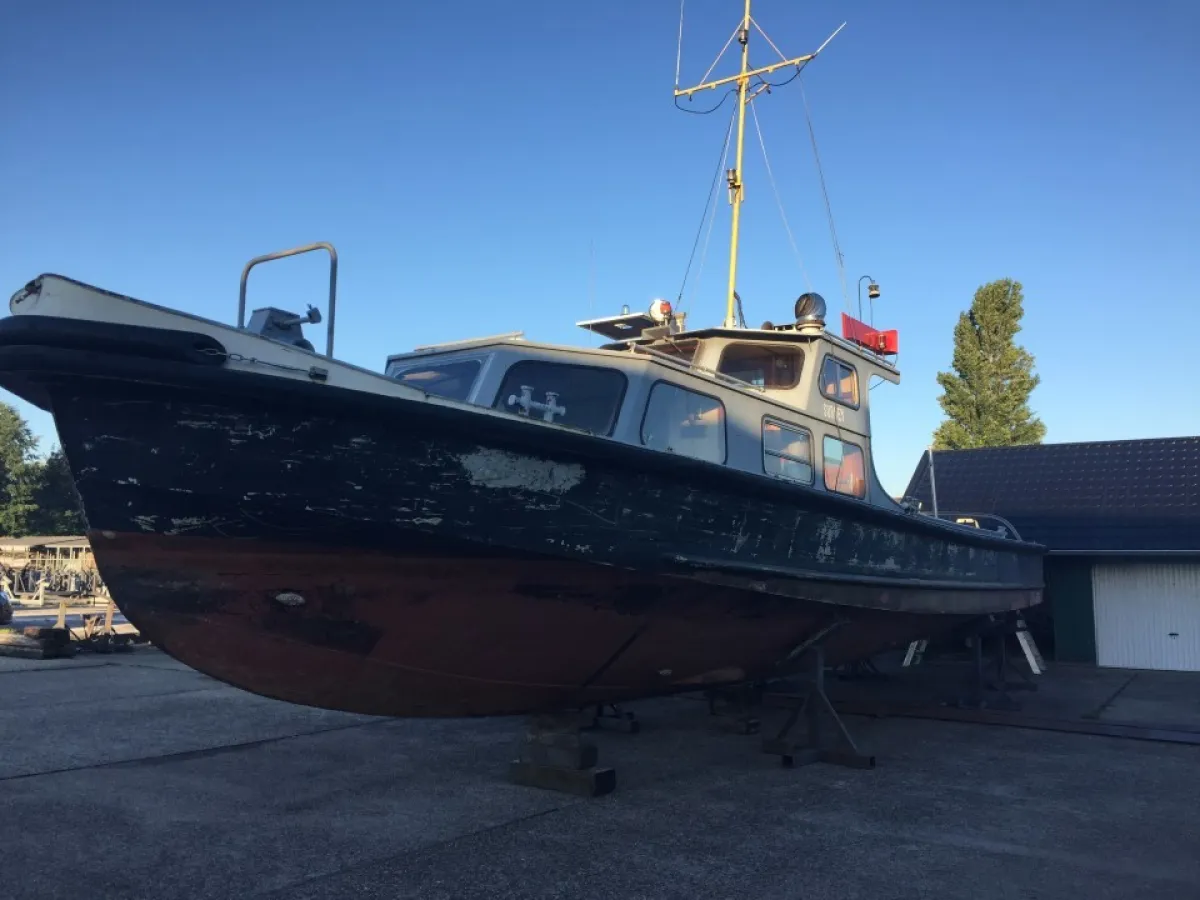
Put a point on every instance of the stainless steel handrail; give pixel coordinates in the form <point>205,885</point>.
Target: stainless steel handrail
<point>951,515</point>
<point>296,251</point>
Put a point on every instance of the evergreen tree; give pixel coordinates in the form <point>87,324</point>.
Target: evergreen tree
<point>59,510</point>
<point>19,473</point>
<point>36,496</point>
<point>986,397</point>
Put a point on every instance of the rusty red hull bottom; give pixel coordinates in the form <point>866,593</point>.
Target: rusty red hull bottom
<point>370,632</point>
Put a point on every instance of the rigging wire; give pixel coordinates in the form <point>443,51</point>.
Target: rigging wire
<point>837,249</point>
<point>728,41</point>
<point>712,190</point>
<point>679,48</point>
<point>778,200</point>
<point>768,38</point>
<point>711,221</point>
<point>799,66</point>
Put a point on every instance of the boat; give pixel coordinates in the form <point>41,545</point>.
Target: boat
<point>497,525</point>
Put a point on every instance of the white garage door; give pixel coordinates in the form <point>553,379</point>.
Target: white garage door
<point>1147,615</point>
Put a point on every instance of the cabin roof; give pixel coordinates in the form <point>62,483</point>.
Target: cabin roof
<point>1102,497</point>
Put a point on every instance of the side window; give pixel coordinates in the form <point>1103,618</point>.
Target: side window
<point>452,380</point>
<point>839,381</point>
<point>845,472</point>
<point>584,397</point>
<point>761,366</point>
<point>787,451</point>
<point>684,422</point>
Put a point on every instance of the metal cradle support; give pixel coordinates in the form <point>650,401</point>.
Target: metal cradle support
<point>993,692</point>
<point>819,744</point>
<point>736,707</point>
<point>553,754</point>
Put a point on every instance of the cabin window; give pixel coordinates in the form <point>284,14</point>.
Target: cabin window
<point>787,451</point>
<point>762,366</point>
<point>684,422</point>
<point>845,472</point>
<point>452,380</point>
<point>584,397</point>
<point>839,381</point>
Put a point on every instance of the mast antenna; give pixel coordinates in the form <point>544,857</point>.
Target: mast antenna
<point>741,86</point>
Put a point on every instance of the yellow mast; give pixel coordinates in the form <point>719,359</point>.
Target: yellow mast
<point>734,175</point>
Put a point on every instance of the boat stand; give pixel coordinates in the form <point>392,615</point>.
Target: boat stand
<point>735,708</point>
<point>992,691</point>
<point>812,702</point>
<point>553,754</point>
<point>609,715</point>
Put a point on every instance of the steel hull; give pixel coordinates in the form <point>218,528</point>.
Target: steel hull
<point>384,555</point>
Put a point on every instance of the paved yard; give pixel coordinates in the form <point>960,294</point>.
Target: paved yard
<point>132,776</point>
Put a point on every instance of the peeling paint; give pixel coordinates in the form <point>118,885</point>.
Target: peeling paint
<point>740,539</point>
<point>298,483</point>
<point>501,469</point>
<point>261,433</point>
<point>827,534</point>
<point>190,523</point>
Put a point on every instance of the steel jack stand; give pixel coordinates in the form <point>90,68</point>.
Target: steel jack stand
<point>814,702</point>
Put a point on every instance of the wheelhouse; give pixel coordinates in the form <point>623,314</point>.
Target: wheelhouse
<point>782,402</point>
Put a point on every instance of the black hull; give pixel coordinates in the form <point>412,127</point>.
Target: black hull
<point>209,492</point>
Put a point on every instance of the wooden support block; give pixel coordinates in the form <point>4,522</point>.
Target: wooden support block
<point>19,645</point>
<point>578,756</point>
<point>589,782</point>
<point>552,754</point>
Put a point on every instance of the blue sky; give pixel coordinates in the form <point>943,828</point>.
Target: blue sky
<point>468,159</point>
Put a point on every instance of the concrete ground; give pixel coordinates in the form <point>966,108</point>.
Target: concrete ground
<point>1168,700</point>
<point>133,776</point>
